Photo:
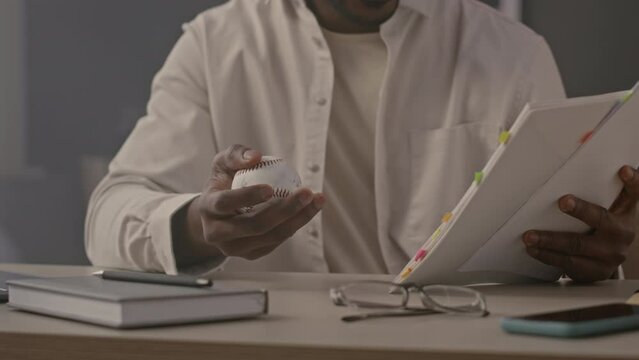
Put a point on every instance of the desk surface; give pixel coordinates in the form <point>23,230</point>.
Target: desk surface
<point>303,324</point>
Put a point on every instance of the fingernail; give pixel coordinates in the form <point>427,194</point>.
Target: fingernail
<point>305,198</point>
<point>531,238</point>
<point>319,201</point>
<point>627,174</point>
<point>250,154</point>
<point>567,204</point>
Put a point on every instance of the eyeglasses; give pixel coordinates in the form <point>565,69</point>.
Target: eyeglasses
<point>395,299</point>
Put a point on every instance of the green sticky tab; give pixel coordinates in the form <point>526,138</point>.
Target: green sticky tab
<point>628,95</point>
<point>504,136</point>
<point>479,176</point>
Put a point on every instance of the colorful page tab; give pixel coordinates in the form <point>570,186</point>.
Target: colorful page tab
<point>585,137</point>
<point>421,254</point>
<point>504,136</point>
<point>627,97</point>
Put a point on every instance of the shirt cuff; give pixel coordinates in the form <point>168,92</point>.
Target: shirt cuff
<point>215,264</point>
<point>162,237</point>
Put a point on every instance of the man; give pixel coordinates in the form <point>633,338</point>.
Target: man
<point>385,108</point>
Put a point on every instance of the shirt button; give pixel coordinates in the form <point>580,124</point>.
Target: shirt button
<point>315,168</point>
<point>318,42</point>
<point>321,101</point>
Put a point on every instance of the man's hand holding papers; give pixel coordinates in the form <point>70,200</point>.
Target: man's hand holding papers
<point>596,255</point>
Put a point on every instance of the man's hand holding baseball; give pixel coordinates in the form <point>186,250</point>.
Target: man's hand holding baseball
<point>215,225</point>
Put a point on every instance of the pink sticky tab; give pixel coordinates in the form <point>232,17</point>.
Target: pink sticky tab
<point>585,137</point>
<point>421,254</point>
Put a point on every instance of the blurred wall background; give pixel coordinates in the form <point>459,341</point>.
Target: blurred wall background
<point>77,75</point>
<point>88,66</point>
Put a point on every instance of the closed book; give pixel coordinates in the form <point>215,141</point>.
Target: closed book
<point>122,304</point>
<point>6,276</point>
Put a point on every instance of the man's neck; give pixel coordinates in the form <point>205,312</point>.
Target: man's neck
<point>352,16</point>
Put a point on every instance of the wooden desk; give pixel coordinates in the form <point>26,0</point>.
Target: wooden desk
<point>303,324</point>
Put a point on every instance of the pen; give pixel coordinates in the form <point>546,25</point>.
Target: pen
<point>153,278</point>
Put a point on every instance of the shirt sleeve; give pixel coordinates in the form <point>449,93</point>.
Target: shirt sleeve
<point>544,79</point>
<point>538,79</point>
<point>160,168</point>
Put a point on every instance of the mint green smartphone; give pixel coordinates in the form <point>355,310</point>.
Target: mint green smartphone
<point>587,321</point>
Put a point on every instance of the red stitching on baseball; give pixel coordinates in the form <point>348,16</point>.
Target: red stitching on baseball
<point>280,193</point>
<point>261,164</point>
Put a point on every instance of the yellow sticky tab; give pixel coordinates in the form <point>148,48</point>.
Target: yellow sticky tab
<point>504,136</point>
<point>437,233</point>
<point>447,216</point>
<point>479,176</point>
<point>627,97</point>
<point>406,272</point>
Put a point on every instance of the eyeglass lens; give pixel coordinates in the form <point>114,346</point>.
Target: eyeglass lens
<point>375,294</point>
<point>452,297</point>
<point>388,295</point>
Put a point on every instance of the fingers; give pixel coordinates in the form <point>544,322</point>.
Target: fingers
<point>584,258</point>
<point>276,212</point>
<point>254,247</point>
<point>575,244</point>
<point>225,203</point>
<point>228,162</point>
<point>615,227</point>
<point>578,268</point>
<point>258,232</point>
<point>225,224</point>
<point>288,228</point>
<point>261,221</point>
<point>627,199</point>
<point>593,215</point>
<point>593,256</point>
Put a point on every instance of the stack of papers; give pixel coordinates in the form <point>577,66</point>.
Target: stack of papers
<point>554,148</point>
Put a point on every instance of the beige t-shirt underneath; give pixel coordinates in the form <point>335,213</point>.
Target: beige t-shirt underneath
<point>349,218</point>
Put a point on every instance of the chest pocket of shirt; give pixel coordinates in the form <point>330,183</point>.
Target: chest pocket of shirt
<point>442,166</point>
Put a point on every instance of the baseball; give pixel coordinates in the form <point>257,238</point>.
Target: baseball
<point>271,170</point>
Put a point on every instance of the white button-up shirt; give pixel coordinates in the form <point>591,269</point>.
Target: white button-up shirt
<point>259,73</point>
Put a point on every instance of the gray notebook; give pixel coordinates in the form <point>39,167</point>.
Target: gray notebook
<point>128,305</point>
<point>6,276</point>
